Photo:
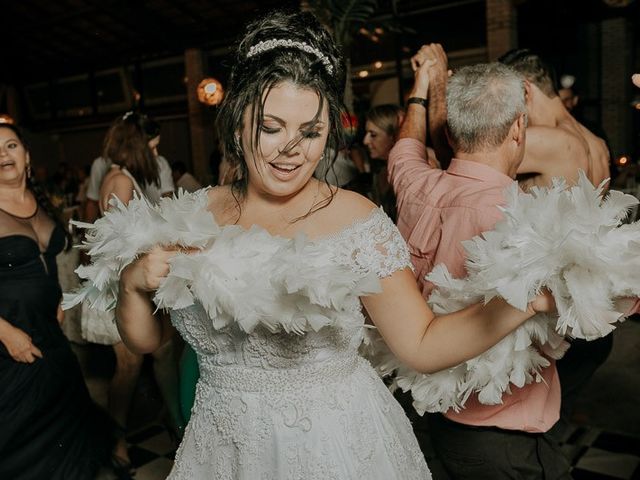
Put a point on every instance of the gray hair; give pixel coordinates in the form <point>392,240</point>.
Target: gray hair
<point>483,101</point>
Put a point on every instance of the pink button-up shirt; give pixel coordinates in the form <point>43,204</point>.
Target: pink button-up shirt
<point>437,210</point>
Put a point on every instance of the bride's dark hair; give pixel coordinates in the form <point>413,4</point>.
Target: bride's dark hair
<point>254,75</point>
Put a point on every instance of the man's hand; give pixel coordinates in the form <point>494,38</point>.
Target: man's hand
<point>439,72</point>
<point>421,75</point>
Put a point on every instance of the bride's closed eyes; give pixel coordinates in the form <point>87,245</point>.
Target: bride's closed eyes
<point>307,133</point>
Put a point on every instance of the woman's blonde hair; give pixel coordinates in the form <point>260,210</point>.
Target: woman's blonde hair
<point>386,117</point>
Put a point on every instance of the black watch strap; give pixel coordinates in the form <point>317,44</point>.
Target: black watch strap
<point>418,100</point>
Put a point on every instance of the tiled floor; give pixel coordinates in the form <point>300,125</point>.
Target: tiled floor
<point>603,443</point>
<point>595,453</point>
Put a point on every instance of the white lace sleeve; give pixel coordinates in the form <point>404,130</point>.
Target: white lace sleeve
<point>374,245</point>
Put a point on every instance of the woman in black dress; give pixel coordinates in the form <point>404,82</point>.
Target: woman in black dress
<point>49,427</point>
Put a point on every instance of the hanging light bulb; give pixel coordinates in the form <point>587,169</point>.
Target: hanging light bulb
<point>210,91</point>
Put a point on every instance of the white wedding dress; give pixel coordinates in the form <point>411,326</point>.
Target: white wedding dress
<point>277,406</point>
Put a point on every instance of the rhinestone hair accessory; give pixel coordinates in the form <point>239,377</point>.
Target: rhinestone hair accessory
<point>267,45</point>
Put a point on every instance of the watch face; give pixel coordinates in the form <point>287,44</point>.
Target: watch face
<point>618,3</point>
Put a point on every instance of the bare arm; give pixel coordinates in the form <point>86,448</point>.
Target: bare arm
<point>140,330</point>
<point>428,343</point>
<point>408,158</point>
<point>409,327</point>
<point>119,185</point>
<point>415,121</point>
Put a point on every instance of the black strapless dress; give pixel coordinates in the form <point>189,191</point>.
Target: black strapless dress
<point>49,426</point>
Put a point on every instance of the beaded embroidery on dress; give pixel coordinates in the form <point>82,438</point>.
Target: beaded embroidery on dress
<point>273,404</point>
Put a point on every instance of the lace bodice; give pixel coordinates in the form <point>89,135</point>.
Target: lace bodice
<point>370,246</point>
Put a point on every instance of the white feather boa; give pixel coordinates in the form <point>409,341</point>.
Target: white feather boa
<point>304,291</point>
<point>568,240</point>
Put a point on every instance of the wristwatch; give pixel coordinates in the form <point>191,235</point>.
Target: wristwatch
<point>418,100</point>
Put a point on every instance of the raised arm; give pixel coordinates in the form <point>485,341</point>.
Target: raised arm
<point>428,343</point>
<point>408,157</point>
<point>415,121</point>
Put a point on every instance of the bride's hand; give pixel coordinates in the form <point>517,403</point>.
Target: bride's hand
<point>543,303</point>
<point>148,271</point>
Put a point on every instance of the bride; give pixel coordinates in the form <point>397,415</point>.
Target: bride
<point>271,403</point>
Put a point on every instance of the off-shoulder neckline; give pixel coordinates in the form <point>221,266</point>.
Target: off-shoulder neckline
<point>357,223</point>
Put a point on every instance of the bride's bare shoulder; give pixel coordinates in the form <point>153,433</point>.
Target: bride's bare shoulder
<point>345,208</point>
<point>223,203</point>
<point>353,204</point>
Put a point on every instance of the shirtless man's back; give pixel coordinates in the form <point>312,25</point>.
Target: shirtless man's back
<point>557,144</point>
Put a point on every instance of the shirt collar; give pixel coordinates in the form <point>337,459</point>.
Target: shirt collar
<point>478,171</point>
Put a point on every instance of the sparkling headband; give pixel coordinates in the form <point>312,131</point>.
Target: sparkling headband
<point>267,45</point>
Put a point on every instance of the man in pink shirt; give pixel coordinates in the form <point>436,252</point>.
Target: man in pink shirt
<point>486,118</point>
